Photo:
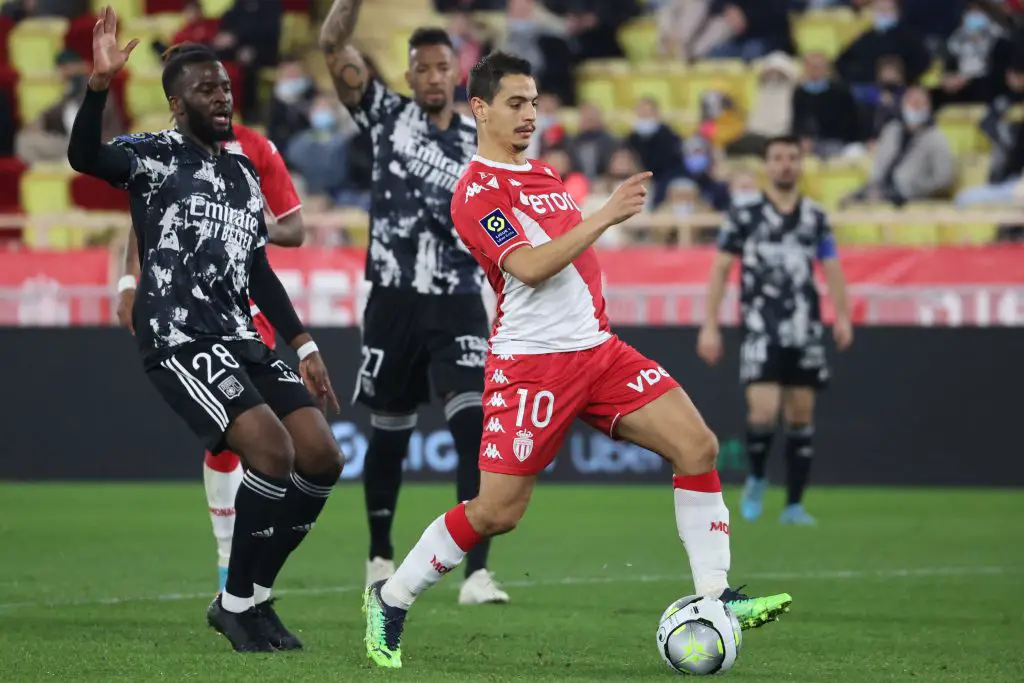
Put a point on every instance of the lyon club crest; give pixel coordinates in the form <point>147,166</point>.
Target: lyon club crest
<point>522,445</point>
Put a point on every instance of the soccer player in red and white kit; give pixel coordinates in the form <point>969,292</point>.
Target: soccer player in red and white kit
<point>553,358</point>
<point>222,473</point>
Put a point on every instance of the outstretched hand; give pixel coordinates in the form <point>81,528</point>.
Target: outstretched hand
<point>107,57</point>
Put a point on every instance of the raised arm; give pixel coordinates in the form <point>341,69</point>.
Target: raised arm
<point>348,70</point>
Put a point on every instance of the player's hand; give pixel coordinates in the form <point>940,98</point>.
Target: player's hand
<point>107,57</point>
<point>125,301</point>
<point>628,199</point>
<point>842,332</point>
<point>709,345</point>
<point>314,374</point>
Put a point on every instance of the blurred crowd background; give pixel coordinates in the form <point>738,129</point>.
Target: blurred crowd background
<point>905,107</point>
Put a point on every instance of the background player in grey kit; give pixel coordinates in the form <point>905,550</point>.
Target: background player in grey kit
<point>778,235</point>
<point>198,215</point>
<point>425,326</point>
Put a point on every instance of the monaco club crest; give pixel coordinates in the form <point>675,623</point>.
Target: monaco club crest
<point>522,445</point>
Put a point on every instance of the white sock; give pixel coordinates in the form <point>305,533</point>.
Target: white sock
<point>221,488</point>
<point>702,520</point>
<point>260,594</point>
<point>433,556</point>
<point>233,603</point>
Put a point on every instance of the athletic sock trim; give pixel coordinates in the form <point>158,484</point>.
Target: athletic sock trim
<point>462,532</point>
<point>460,402</point>
<point>262,487</point>
<point>310,489</point>
<point>702,483</point>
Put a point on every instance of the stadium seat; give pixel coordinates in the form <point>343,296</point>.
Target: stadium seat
<point>295,32</point>
<point>839,178</point>
<point>94,194</point>
<point>45,189</point>
<point>216,8</point>
<point>828,30</point>
<point>974,171</point>
<point>150,29</point>
<point>971,233</point>
<point>153,123</point>
<point>959,123</point>
<point>126,9</point>
<point>11,170</point>
<point>600,90</point>
<point>913,233</point>
<point>866,232</point>
<point>659,81</point>
<point>144,94</point>
<point>78,37</point>
<point>683,121</point>
<point>727,76</point>
<point>36,93</point>
<point>639,39</point>
<point>35,44</point>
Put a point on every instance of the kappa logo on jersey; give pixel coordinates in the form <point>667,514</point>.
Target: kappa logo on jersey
<point>491,452</point>
<point>231,387</point>
<point>647,378</point>
<point>505,356</point>
<point>497,401</point>
<point>492,180</point>
<point>499,377</point>
<point>473,190</point>
<point>495,426</point>
<point>514,183</point>
<point>522,445</point>
<point>498,227</point>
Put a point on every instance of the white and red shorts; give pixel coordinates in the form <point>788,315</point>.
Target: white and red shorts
<point>530,401</point>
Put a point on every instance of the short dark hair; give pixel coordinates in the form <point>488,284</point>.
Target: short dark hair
<point>788,140</point>
<point>177,57</point>
<point>429,35</point>
<point>485,78</point>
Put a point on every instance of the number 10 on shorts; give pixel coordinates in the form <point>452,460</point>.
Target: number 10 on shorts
<point>543,401</point>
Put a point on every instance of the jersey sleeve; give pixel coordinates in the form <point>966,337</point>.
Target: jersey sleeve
<point>730,235</point>
<point>486,222</point>
<point>144,152</point>
<point>826,239</point>
<point>275,182</point>
<point>377,104</point>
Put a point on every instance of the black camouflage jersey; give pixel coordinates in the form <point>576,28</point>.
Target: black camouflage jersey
<point>413,243</point>
<point>199,221</point>
<point>779,300</point>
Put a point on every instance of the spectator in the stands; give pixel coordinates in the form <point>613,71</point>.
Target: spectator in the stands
<point>824,112</point>
<point>593,26</point>
<point>682,200</point>
<point>289,107</point>
<point>198,27</point>
<point>912,159</point>
<point>701,166</point>
<point>976,56</point>
<point>549,131</point>
<point>772,112</point>
<point>623,165</point>
<point>320,154</point>
<point>657,146</point>
<point>756,28</point>
<point>46,138</point>
<point>576,183</point>
<point>743,187</point>
<point>22,9</point>
<point>470,46</point>
<point>890,36</point>
<point>593,145</point>
<point>534,33</point>
<point>445,6</point>
<point>1007,138</point>
<point>891,86</point>
<point>250,34</point>
<point>688,30</point>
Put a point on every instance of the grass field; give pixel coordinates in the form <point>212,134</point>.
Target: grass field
<point>110,583</point>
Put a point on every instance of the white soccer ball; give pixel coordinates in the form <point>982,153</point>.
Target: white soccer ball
<point>699,636</point>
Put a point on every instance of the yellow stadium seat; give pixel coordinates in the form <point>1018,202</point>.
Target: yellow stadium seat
<point>828,31</point>
<point>959,123</point>
<point>295,32</point>
<point>923,233</point>
<point>933,76</point>
<point>683,121</point>
<point>639,39</point>
<point>970,233</point>
<point>144,94</point>
<point>859,233</point>
<point>974,171</point>
<point>37,93</point>
<point>46,189</point>
<point>128,9</point>
<point>599,90</point>
<point>661,82</point>
<point>838,178</point>
<point>216,8</point>
<point>725,76</point>
<point>148,30</point>
<point>153,123</point>
<point>620,121</point>
<point>569,118</point>
<point>35,43</point>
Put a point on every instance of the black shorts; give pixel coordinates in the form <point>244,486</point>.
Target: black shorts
<point>802,366</point>
<point>210,383</point>
<point>414,342</point>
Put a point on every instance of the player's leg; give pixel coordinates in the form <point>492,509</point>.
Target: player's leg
<point>455,331</point>
<point>392,382</point>
<point>636,400</point>
<point>318,464</point>
<point>222,475</point>
<point>510,459</point>
<point>763,399</point>
<point>798,410</point>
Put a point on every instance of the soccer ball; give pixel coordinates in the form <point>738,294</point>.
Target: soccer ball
<point>699,636</point>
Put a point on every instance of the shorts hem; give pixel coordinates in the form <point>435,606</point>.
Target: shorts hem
<point>656,393</point>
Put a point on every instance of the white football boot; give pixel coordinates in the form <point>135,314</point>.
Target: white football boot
<point>480,588</point>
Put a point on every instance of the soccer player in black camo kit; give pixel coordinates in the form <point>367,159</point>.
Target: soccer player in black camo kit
<point>777,236</point>
<point>198,216</point>
<point>425,325</point>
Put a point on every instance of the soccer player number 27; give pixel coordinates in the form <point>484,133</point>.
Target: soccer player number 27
<point>545,397</point>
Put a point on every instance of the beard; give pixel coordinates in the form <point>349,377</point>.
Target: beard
<point>433,107</point>
<point>202,127</point>
<point>520,147</point>
<point>786,185</point>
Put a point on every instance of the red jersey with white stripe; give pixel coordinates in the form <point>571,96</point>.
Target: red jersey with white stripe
<point>279,194</point>
<point>498,208</point>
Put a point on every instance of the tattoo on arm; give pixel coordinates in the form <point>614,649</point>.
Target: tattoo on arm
<point>343,60</point>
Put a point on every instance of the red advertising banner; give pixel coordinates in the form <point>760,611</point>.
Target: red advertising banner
<point>889,286</point>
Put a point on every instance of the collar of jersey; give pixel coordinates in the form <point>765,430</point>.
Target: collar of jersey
<point>497,164</point>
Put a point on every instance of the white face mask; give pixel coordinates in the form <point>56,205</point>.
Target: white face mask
<point>646,127</point>
<point>743,197</point>
<point>915,117</point>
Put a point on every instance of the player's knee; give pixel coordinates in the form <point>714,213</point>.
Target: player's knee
<point>696,454</point>
<point>276,457</point>
<point>493,520</point>
<point>760,419</point>
<point>324,459</point>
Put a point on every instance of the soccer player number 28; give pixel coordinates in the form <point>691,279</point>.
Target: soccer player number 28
<point>222,354</point>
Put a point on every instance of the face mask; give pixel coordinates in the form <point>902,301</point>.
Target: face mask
<point>322,119</point>
<point>745,196</point>
<point>682,209</point>
<point>520,25</point>
<point>915,117</point>
<point>289,90</point>
<point>697,163</point>
<point>816,87</point>
<point>884,22</point>
<point>975,21</point>
<point>645,127</point>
